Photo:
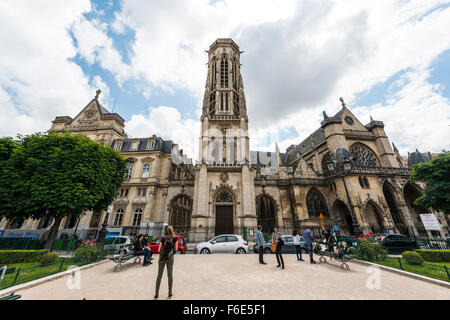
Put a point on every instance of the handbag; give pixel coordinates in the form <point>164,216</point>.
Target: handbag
<point>273,248</point>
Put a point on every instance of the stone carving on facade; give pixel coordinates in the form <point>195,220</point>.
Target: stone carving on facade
<point>224,177</point>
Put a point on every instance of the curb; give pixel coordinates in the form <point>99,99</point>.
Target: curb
<point>406,273</point>
<point>36,282</point>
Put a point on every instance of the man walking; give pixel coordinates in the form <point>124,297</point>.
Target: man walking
<point>309,245</point>
<point>261,247</point>
<point>298,248</point>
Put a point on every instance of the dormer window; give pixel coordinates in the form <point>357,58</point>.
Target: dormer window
<point>135,145</point>
<point>119,146</point>
<point>151,145</point>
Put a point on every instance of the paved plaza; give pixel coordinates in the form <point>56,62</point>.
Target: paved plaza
<point>225,277</point>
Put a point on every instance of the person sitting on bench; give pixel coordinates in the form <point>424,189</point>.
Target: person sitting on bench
<point>146,246</point>
<point>139,250</point>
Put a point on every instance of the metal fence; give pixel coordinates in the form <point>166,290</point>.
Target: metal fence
<point>33,272</point>
<point>436,271</point>
<point>20,244</point>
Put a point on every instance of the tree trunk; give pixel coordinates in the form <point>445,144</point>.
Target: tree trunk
<point>53,232</point>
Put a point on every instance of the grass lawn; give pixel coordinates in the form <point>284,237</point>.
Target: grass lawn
<point>430,269</point>
<point>35,270</point>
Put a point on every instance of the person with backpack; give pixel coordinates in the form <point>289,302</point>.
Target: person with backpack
<point>167,247</point>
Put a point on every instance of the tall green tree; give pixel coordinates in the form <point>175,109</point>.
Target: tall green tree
<point>58,175</point>
<point>7,146</point>
<point>436,175</point>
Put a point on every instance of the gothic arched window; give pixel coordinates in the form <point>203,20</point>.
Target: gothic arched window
<point>364,154</point>
<point>224,197</point>
<point>224,73</point>
<point>315,202</point>
<point>180,214</point>
<point>325,159</point>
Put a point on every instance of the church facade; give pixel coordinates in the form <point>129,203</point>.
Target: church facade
<point>231,189</point>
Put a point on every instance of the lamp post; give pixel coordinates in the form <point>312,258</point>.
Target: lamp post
<point>103,231</point>
<point>341,164</point>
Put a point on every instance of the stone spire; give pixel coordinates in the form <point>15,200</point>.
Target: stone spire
<point>224,90</point>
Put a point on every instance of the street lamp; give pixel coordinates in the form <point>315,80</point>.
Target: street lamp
<point>344,159</point>
<point>103,231</point>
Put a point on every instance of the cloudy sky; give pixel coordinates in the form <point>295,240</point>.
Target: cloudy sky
<point>389,59</point>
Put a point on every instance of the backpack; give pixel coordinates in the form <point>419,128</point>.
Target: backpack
<point>167,249</point>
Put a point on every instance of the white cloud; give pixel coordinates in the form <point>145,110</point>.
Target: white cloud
<point>300,56</point>
<point>37,79</point>
<point>94,45</point>
<point>167,123</point>
<point>416,116</point>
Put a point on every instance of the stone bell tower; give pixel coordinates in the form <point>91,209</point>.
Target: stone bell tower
<point>224,186</point>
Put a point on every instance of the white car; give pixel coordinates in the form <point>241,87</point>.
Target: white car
<point>118,244</point>
<point>224,243</point>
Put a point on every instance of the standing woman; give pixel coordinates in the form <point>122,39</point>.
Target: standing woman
<point>276,240</point>
<point>167,247</point>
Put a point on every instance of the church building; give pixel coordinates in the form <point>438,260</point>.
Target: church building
<point>231,189</point>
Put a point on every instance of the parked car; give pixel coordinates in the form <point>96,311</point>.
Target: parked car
<point>154,245</point>
<point>225,243</point>
<point>288,247</point>
<point>118,244</point>
<point>397,243</point>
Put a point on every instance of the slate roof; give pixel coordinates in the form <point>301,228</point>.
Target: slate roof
<point>311,142</point>
<point>165,146</point>
<point>259,159</point>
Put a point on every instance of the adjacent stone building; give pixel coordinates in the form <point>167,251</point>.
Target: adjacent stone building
<point>231,189</point>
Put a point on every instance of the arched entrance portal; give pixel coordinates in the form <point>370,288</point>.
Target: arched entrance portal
<point>392,204</point>
<point>411,193</point>
<point>346,217</point>
<point>266,213</point>
<point>374,219</point>
<point>224,213</point>
<point>180,215</point>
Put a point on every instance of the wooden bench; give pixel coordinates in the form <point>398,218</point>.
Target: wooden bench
<point>122,258</point>
<point>4,271</point>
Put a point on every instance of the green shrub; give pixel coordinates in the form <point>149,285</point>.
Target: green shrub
<point>434,255</point>
<point>49,257</point>
<point>412,257</point>
<point>89,251</point>
<point>369,248</point>
<point>21,256</point>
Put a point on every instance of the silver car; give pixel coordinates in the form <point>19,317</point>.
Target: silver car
<point>225,243</point>
<point>118,244</point>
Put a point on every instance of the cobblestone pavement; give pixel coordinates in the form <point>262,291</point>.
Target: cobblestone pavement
<point>209,277</point>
